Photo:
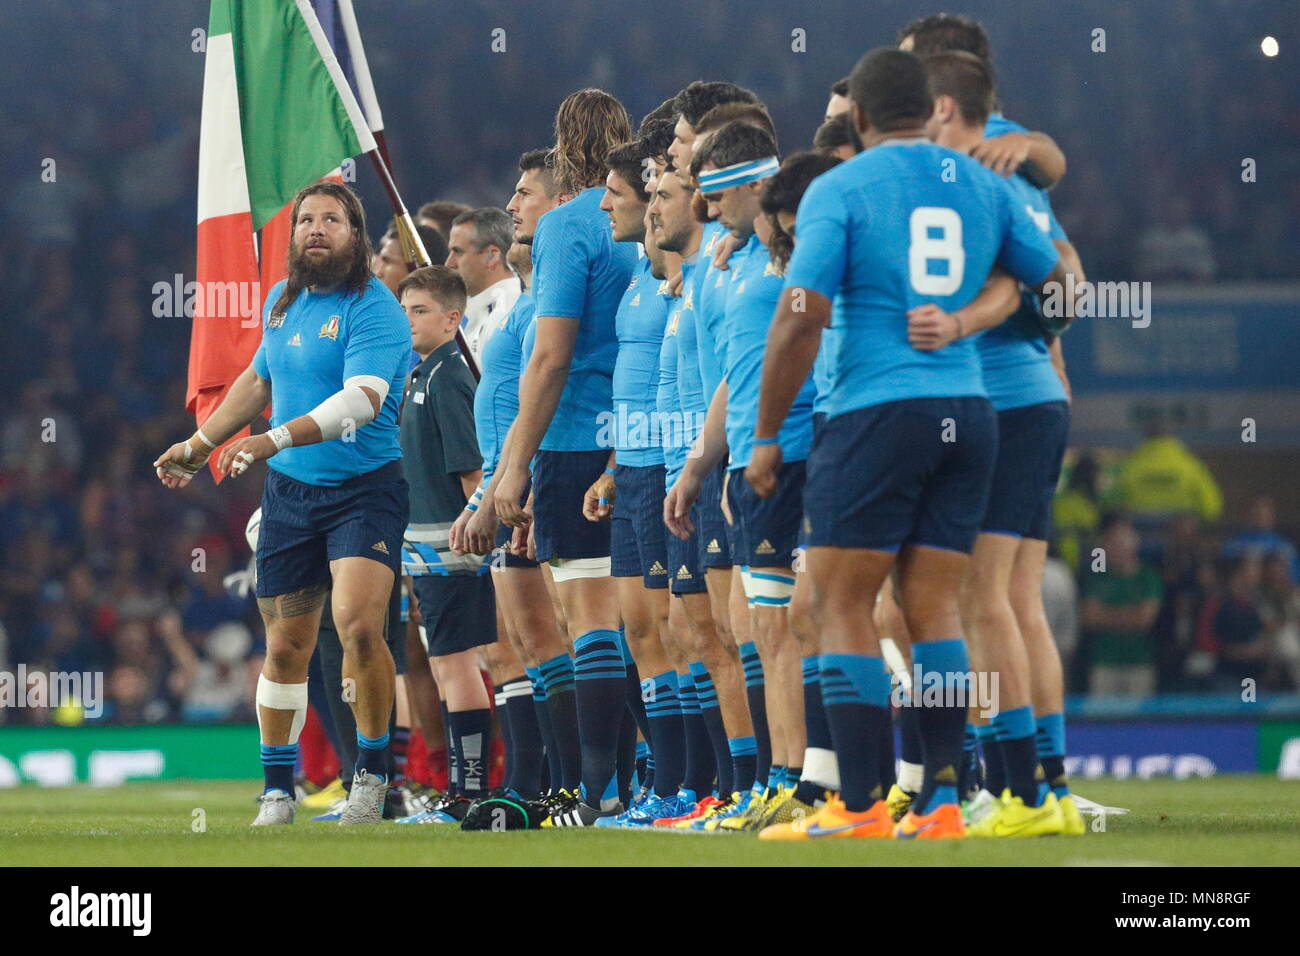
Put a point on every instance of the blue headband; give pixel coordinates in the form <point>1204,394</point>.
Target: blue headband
<point>717,180</point>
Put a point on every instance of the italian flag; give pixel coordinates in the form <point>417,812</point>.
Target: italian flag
<point>278,114</point>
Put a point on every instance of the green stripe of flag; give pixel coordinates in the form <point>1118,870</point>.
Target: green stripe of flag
<point>295,124</point>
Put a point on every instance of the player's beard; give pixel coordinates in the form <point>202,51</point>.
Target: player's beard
<point>308,272</point>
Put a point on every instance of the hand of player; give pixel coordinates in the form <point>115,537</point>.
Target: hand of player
<point>764,462</point>
<point>678,503</point>
<point>237,456</point>
<point>598,502</point>
<point>929,328</point>
<point>179,464</point>
<point>675,285</point>
<point>1004,154</point>
<point>509,491</point>
<point>456,536</point>
<point>723,250</point>
<point>480,531</point>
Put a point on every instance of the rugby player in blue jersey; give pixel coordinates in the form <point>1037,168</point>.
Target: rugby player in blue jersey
<point>1002,604</point>
<point>901,468</point>
<point>332,364</point>
<point>579,276</point>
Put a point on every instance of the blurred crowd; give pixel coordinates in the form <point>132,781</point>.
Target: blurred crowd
<point>102,569</point>
<point>1151,591</point>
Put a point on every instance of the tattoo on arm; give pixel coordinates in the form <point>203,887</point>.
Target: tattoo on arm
<point>295,603</point>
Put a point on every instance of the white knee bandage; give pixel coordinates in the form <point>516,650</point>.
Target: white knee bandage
<point>275,696</point>
<point>767,587</point>
<point>571,569</point>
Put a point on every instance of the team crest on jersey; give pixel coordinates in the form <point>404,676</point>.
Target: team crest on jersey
<point>330,330</point>
<point>275,321</point>
<point>770,269</point>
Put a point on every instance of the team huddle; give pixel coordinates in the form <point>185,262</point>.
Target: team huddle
<point>755,480</point>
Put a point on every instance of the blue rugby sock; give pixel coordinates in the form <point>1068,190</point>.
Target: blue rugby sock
<point>711,712</point>
<point>600,678</point>
<point>278,763</point>
<point>372,755</point>
<point>942,664</point>
<point>1019,751</point>
<point>855,696</point>
<point>755,689</point>
<point>664,711</point>
<point>562,702</point>
<point>699,772</point>
<point>744,762</point>
<point>1051,753</point>
<point>550,749</point>
<point>995,768</point>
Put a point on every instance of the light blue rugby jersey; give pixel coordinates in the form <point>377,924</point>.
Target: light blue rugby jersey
<point>579,272</point>
<point>709,298</point>
<point>1014,356</point>
<point>307,353</point>
<point>690,385</point>
<point>642,316</point>
<point>667,396</point>
<point>751,303</point>
<point>902,224</point>
<point>496,400</point>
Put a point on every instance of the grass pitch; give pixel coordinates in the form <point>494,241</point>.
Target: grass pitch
<point>1235,820</point>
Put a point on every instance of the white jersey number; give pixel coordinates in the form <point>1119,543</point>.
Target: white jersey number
<point>925,247</point>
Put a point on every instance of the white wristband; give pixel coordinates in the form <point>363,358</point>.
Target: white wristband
<point>204,438</point>
<point>280,435</point>
<point>474,501</point>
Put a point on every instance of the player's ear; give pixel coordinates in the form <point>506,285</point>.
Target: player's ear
<point>859,119</point>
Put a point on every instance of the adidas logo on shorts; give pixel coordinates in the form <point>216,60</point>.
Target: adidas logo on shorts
<point>765,547</point>
<point>657,568</point>
<point>713,547</point>
<point>380,547</point>
<point>684,574</point>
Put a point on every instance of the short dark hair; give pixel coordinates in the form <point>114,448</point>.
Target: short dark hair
<point>445,286</point>
<point>701,96</point>
<point>628,160</point>
<point>755,114</point>
<point>656,136</point>
<point>736,142</point>
<point>434,242</point>
<point>890,86</point>
<point>441,212</point>
<point>783,192</point>
<point>836,132</point>
<point>941,32</point>
<point>540,159</point>
<point>967,79</point>
<point>492,227</point>
<point>840,87</point>
<point>664,111</point>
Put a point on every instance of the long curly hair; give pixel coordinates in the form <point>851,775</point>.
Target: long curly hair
<point>357,276</point>
<point>588,124</point>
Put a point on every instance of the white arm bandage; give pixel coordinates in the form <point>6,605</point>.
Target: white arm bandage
<point>348,406</point>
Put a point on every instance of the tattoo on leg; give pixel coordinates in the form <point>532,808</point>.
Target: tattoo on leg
<point>295,603</point>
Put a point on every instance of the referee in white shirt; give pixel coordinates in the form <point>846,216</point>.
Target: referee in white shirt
<point>478,244</point>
